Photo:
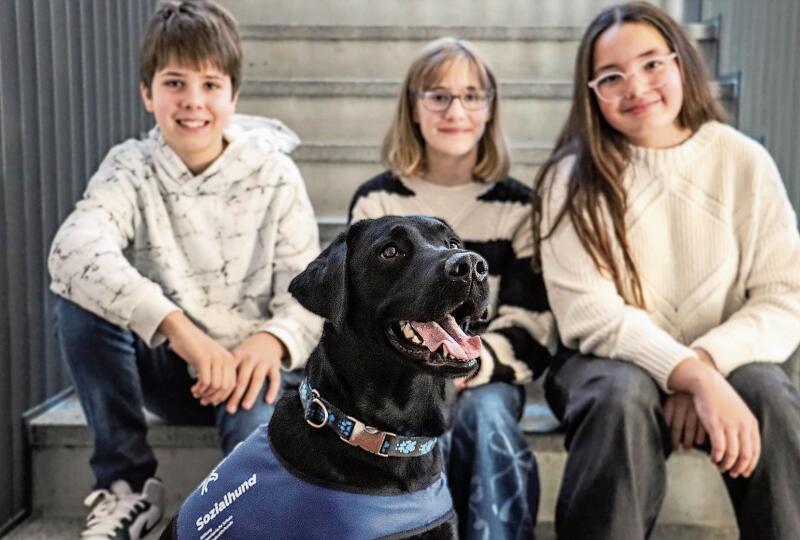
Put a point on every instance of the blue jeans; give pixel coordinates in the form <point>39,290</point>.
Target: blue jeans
<point>491,469</point>
<point>116,374</point>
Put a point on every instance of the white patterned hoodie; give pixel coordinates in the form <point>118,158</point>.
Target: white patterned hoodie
<point>149,237</point>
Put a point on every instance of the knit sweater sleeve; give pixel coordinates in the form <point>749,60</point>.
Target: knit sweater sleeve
<point>86,260</point>
<point>521,337</point>
<point>767,326</point>
<point>296,245</point>
<point>591,315</point>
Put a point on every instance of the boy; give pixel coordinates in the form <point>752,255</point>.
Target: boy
<point>177,260</point>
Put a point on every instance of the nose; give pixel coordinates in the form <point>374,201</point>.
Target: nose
<point>192,97</point>
<point>466,266</point>
<point>456,107</point>
<point>636,84</point>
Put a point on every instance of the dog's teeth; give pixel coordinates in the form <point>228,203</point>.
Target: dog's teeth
<point>415,339</point>
<point>408,332</point>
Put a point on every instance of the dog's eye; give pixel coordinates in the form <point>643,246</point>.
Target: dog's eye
<point>453,244</point>
<point>390,252</point>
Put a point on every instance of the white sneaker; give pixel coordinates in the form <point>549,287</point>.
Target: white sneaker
<point>121,514</point>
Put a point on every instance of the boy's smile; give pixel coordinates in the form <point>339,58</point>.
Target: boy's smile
<point>192,107</point>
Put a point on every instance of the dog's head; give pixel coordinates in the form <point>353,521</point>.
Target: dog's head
<point>405,284</point>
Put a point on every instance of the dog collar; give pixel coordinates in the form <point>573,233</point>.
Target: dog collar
<point>319,413</point>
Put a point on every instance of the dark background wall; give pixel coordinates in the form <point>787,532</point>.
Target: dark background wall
<point>68,92</point>
<point>759,40</point>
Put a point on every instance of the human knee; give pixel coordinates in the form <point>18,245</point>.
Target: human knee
<point>234,428</point>
<point>768,393</point>
<point>75,324</point>
<point>489,404</point>
<point>625,392</point>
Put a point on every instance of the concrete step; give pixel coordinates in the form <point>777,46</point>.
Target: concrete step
<point>419,12</point>
<point>70,528</point>
<point>61,445</point>
<point>332,173</point>
<point>329,227</point>
<point>353,52</point>
<point>359,112</point>
<point>43,528</point>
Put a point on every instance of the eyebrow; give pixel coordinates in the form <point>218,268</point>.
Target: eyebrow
<point>470,87</point>
<point>642,55</point>
<point>183,74</point>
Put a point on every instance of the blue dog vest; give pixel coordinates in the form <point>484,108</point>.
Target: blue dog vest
<point>251,495</point>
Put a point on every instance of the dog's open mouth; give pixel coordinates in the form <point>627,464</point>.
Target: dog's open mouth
<point>441,344</point>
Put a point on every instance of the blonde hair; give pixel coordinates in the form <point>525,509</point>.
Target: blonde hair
<point>403,150</point>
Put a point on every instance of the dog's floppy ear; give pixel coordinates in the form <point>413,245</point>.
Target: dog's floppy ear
<point>322,287</point>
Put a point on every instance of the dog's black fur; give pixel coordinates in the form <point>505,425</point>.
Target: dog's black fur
<point>373,275</point>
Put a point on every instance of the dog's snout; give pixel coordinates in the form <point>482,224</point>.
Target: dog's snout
<point>466,266</point>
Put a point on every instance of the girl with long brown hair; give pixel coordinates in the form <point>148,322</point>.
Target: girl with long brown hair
<point>670,254</point>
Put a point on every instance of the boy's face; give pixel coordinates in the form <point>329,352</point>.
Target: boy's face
<point>192,107</point>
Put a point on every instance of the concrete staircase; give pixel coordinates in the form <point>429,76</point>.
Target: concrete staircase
<point>696,505</point>
<point>331,71</point>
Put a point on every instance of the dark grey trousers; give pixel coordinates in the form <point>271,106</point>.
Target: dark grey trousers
<point>618,442</point>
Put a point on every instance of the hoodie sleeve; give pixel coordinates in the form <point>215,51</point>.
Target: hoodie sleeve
<point>86,263</point>
<point>297,244</point>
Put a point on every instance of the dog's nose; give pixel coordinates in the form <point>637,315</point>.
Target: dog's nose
<point>467,266</point>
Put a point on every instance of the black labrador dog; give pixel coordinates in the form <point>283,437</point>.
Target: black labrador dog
<point>352,453</point>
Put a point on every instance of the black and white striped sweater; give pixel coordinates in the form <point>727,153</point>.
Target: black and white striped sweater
<point>494,220</point>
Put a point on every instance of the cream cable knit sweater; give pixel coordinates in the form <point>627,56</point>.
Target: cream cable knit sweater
<point>149,237</point>
<point>717,247</point>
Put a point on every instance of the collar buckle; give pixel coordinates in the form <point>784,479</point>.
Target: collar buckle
<point>368,438</point>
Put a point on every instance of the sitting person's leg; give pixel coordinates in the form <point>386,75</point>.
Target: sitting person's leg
<point>767,504</point>
<point>102,359</point>
<point>491,469</point>
<point>615,477</point>
<point>234,428</point>
<point>167,391</point>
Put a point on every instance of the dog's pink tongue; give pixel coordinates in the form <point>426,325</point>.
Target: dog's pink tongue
<point>447,332</point>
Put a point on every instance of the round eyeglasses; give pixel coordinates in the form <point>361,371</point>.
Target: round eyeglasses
<point>654,71</point>
<point>440,100</point>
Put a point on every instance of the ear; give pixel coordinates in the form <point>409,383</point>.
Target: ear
<point>322,287</point>
<point>147,96</point>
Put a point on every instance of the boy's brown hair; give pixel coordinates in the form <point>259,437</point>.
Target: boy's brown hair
<point>192,33</point>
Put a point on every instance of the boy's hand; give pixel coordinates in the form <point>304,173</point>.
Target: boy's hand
<point>686,429</point>
<point>731,426</point>
<point>258,357</point>
<point>215,365</point>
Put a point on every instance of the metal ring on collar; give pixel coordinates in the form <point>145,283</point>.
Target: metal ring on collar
<point>319,403</point>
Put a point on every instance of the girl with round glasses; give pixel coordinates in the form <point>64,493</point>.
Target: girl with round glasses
<point>447,157</point>
<point>670,253</point>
